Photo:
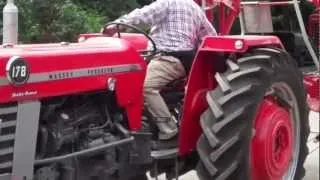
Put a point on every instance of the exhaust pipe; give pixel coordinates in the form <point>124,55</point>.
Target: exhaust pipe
<point>10,23</point>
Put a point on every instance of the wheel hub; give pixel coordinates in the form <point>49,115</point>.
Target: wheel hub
<point>271,150</point>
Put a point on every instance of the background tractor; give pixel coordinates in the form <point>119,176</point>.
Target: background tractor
<point>74,111</point>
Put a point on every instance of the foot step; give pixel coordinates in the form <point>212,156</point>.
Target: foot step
<point>164,154</point>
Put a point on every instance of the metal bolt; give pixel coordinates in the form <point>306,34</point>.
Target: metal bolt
<point>112,84</point>
<point>81,39</point>
<point>64,116</point>
<point>238,44</point>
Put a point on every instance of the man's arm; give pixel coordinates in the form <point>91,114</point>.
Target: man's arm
<point>206,29</point>
<point>151,14</point>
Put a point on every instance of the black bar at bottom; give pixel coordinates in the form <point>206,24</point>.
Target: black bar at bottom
<point>84,152</point>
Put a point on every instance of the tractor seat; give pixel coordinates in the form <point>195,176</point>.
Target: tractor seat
<point>186,58</point>
<point>176,85</point>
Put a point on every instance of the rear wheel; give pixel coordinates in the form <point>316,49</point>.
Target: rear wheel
<point>256,125</point>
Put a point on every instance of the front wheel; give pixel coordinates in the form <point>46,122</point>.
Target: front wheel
<point>256,125</point>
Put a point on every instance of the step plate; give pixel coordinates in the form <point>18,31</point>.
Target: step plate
<point>165,154</point>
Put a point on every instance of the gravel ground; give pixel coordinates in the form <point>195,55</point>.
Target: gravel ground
<point>312,162</point>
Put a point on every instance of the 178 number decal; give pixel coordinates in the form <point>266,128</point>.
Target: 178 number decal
<point>17,70</point>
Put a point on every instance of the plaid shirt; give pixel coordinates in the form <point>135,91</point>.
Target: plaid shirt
<point>177,25</point>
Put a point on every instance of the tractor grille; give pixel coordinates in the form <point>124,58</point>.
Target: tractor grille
<point>8,118</point>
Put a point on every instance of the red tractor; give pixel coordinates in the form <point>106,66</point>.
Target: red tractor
<point>74,111</point>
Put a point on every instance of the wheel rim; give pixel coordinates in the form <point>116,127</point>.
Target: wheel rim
<point>276,138</point>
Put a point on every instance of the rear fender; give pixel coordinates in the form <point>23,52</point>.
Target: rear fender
<point>201,79</point>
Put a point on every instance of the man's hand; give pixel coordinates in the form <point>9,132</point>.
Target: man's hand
<point>110,30</point>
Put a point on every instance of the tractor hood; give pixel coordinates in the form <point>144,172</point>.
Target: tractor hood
<point>38,71</point>
<point>92,45</point>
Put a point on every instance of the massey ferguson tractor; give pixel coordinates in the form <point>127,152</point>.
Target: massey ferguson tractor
<point>75,111</point>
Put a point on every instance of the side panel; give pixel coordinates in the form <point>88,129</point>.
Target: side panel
<point>25,140</point>
<point>129,91</point>
<point>201,79</point>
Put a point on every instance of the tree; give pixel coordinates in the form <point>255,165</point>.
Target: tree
<point>62,20</point>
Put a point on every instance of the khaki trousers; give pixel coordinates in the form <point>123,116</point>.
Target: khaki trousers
<point>160,71</point>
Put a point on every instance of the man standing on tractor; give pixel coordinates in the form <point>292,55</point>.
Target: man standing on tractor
<point>177,28</point>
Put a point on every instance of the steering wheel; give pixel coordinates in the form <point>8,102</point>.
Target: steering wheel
<point>144,52</point>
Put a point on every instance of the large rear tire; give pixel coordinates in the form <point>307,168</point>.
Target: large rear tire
<point>258,112</point>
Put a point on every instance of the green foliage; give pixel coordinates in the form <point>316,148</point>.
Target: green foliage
<point>72,21</point>
<point>63,20</point>
<point>111,9</point>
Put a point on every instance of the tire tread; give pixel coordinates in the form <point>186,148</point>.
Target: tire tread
<point>228,120</point>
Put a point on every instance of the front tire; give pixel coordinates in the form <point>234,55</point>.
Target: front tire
<point>236,126</point>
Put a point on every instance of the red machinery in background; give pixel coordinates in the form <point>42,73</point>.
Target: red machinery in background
<point>229,11</point>
<point>312,81</point>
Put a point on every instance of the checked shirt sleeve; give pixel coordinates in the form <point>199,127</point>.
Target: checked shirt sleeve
<point>151,14</point>
<point>206,29</point>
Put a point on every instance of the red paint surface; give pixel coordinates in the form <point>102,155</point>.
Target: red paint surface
<point>45,58</point>
<point>227,43</point>
<point>271,149</point>
<point>201,79</point>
